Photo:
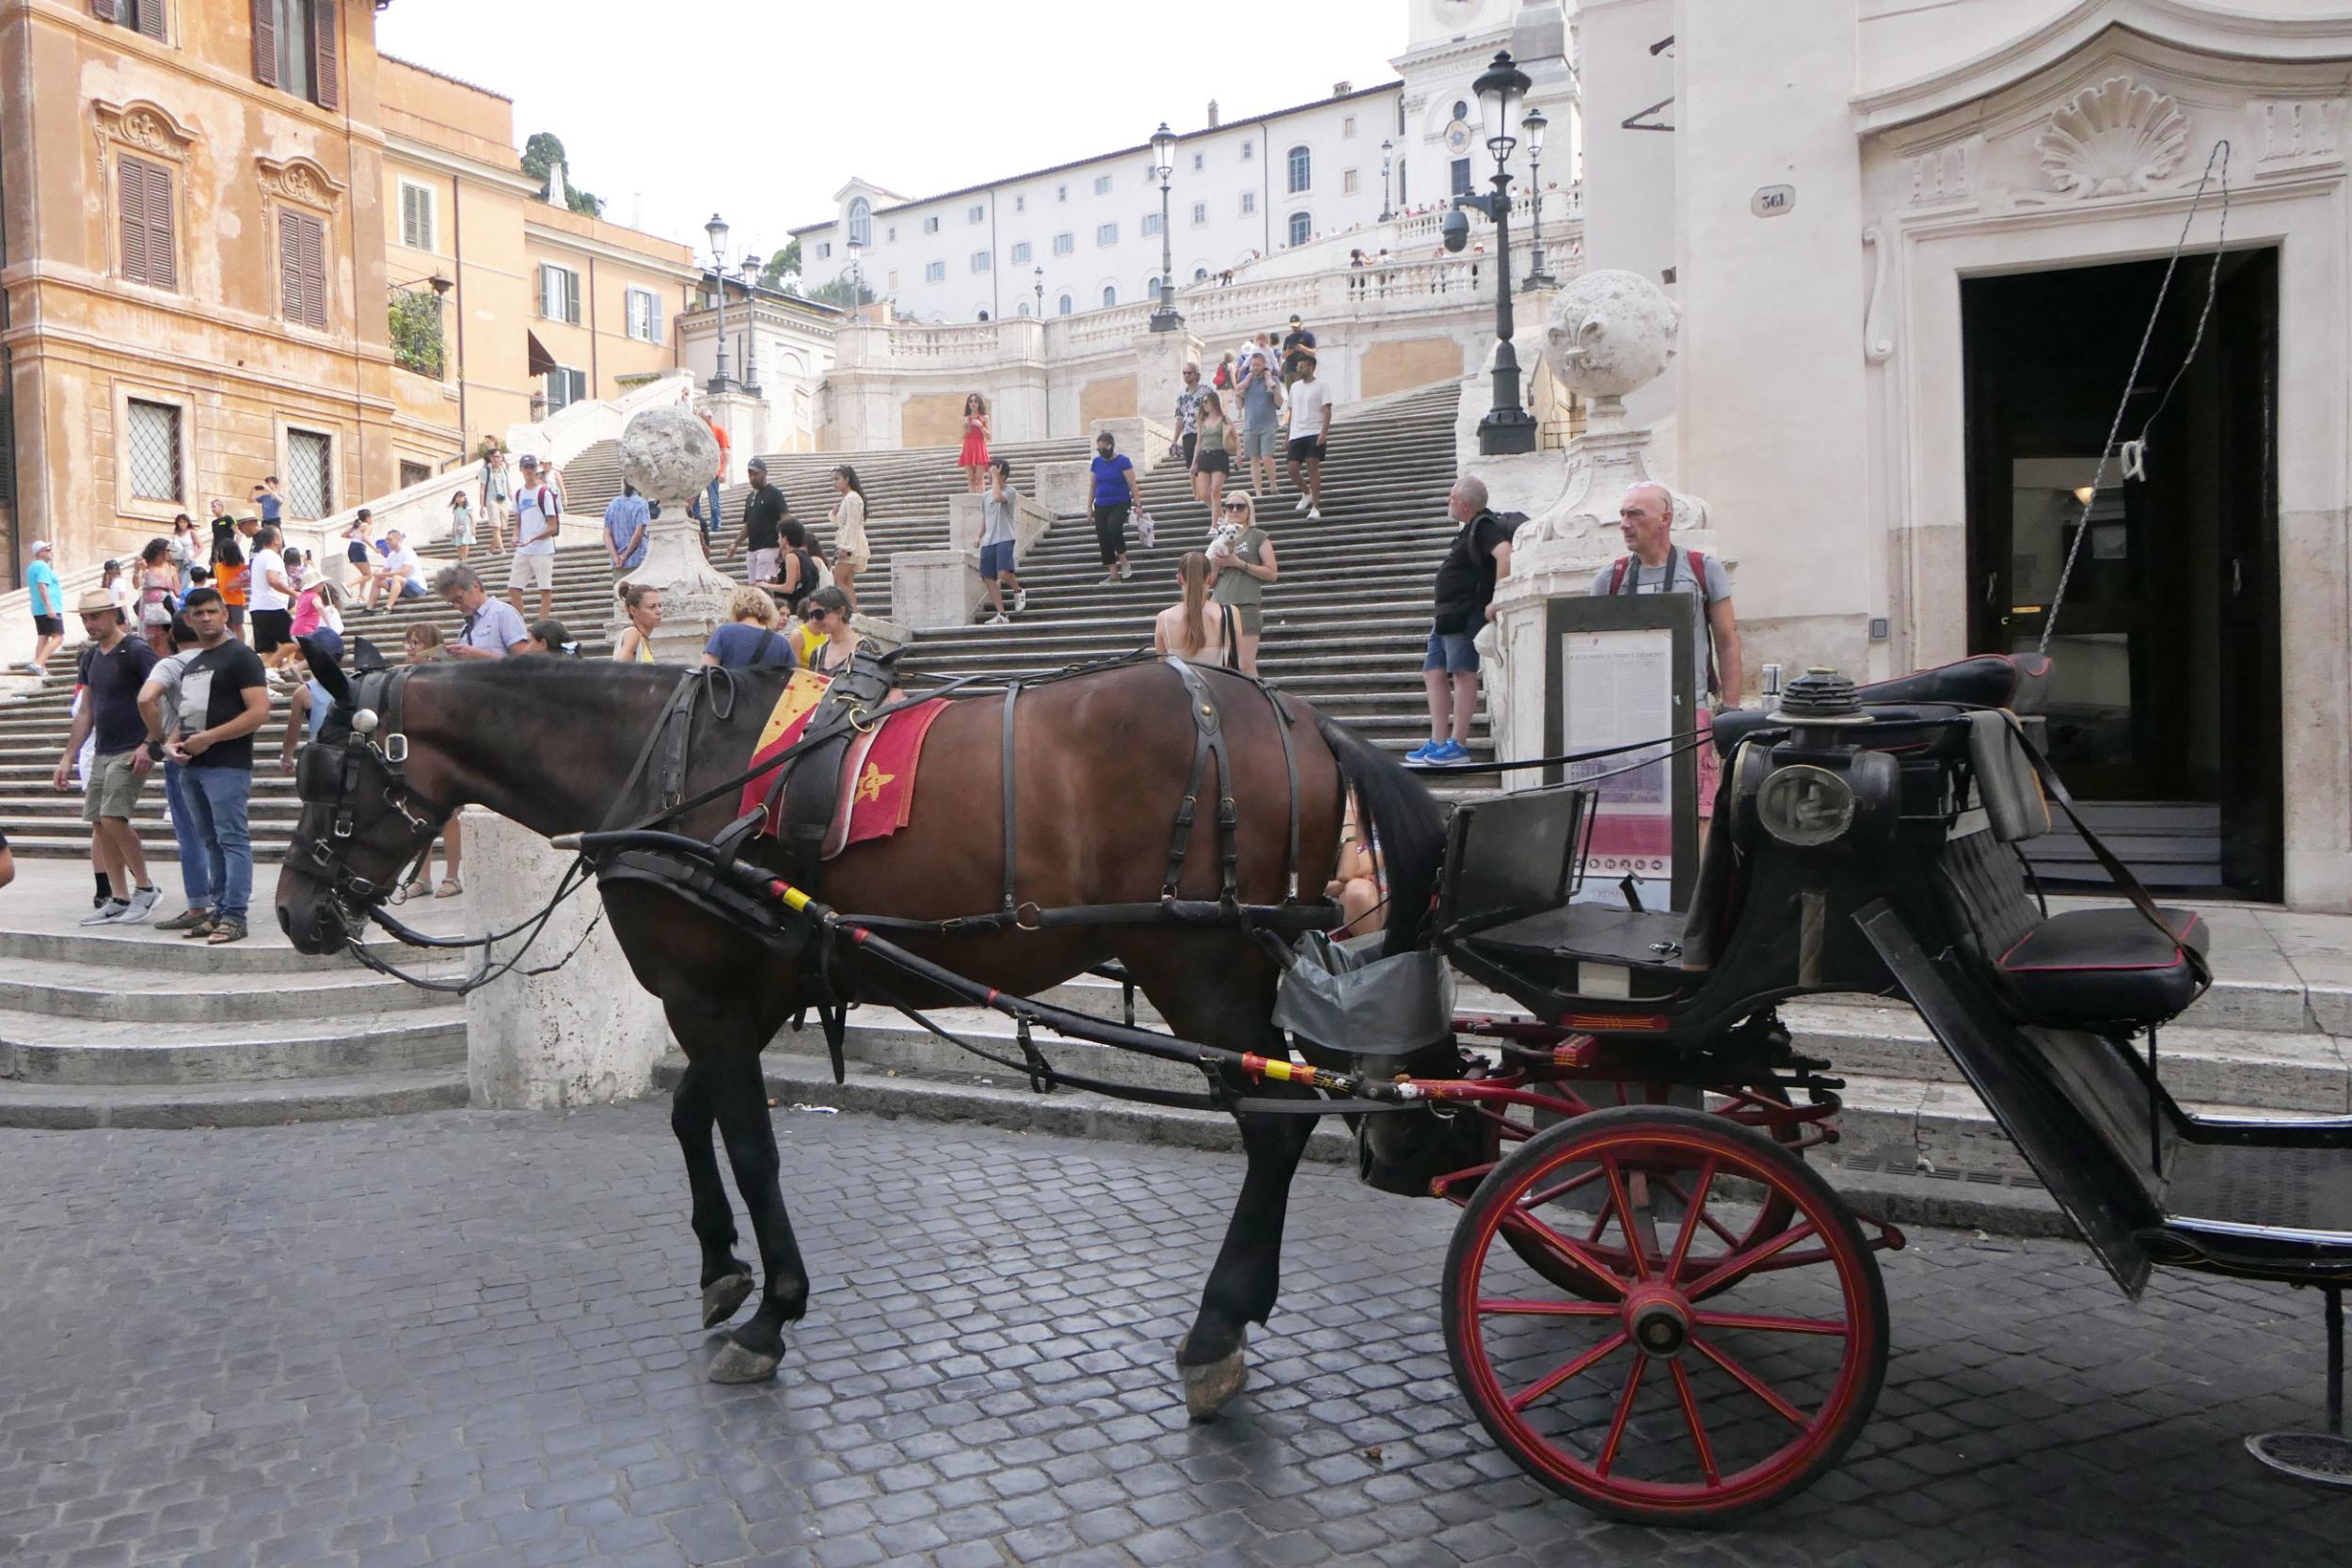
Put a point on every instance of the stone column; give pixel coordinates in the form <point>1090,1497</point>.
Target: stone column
<point>587,1034</point>
<point>744,418</point>
<point>669,455</point>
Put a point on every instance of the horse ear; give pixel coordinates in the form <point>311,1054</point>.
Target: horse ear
<point>366,658</point>
<point>330,673</point>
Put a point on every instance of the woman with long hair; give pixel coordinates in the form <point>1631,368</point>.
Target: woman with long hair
<point>1240,566</point>
<point>1196,629</point>
<point>974,458</point>
<point>1211,454</point>
<point>826,643</point>
<point>159,590</point>
<point>849,532</point>
<point>641,602</point>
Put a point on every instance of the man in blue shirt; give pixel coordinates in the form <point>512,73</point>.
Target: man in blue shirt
<point>48,607</point>
<point>625,525</point>
<point>265,496</point>
<point>1115,496</point>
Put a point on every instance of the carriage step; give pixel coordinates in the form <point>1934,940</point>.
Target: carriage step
<point>243,1103</point>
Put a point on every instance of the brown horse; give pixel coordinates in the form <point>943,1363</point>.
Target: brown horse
<point>1102,760</point>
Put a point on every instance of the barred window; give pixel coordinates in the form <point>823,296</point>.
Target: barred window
<point>310,473</point>
<point>154,442</point>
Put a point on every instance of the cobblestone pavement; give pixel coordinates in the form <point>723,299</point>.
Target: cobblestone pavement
<point>470,1339</point>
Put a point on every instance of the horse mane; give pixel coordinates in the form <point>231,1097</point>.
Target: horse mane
<point>1401,818</point>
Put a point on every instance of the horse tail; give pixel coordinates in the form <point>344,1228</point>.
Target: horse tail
<point>1401,818</point>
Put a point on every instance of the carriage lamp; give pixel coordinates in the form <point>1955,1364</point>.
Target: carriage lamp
<point>1804,806</point>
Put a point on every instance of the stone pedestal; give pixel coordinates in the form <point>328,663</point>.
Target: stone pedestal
<point>1160,361</point>
<point>930,589</point>
<point>1065,489</point>
<point>965,518</point>
<point>1144,440</point>
<point>744,418</point>
<point>584,1034</point>
<point>670,456</point>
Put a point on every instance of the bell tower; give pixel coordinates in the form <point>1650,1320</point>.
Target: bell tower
<point>1438,22</point>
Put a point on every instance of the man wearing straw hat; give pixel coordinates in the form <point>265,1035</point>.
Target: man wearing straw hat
<point>113,668</point>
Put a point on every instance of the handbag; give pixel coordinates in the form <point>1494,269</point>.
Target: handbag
<point>1146,531</point>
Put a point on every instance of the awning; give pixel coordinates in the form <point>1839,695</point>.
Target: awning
<point>541,361</point>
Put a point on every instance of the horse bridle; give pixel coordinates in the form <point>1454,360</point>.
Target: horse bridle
<point>337,777</point>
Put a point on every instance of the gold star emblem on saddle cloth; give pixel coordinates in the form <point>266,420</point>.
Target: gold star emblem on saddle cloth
<point>872,782</point>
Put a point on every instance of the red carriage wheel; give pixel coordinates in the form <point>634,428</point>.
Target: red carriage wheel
<point>1726,1367</point>
<point>1766,1104</point>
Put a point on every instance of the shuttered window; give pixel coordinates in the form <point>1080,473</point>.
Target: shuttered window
<point>302,268</point>
<point>295,47</point>
<point>416,215</point>
<point>565,387</point>
<point>559,294</point>
<point>143,194</point>
<point>147,16</point>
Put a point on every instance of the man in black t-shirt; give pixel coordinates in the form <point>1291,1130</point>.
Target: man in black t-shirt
<point>1481,552</point>
<point>1298,345</point>
<point>112,668</point>
<point>763,512</point>
<point>224,697</point>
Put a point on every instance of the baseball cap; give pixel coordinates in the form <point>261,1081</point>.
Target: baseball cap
<point>39,545</point>
<point>530,461</point>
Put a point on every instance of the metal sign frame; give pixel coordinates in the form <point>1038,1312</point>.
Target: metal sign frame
<point>1671,614</point>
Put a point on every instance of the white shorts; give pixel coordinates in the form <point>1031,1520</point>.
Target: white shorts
<point>533,571</point>
<point>762,566</point>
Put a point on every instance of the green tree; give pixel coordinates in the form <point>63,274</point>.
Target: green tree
<point>783,264</point>
<point>541,153</point>
<point>838,292</point>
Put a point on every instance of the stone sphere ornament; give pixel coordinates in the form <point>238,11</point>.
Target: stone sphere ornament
<point>669,454</point>
<point>1610,333</point>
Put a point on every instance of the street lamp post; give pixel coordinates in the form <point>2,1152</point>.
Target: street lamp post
<point>717,230</point>
<point>1534,125</point>
<point>857,281</point>
<point>1038,274</point>
<point>1387,160</point>
<point>1165,319</point>
<point>749,270</point>
<point>1508,427</point>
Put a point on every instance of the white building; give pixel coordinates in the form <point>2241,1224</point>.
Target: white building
<point>1917,246</point>
<point>780,348</point>
<point>1084,235</point>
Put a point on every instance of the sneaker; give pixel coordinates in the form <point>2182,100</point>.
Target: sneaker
<point>185,920</point>
<point>1000,620</point>
<point>1314,514</point>
<point>34,670</point>
<point>142,905</point>
<point>1423,753</point>
<point>228,928</point>
<point>1020,600</point>
<point>106,913</point>
<point>1451,751</point>
<point>1125,571</point>
<point>204,927</point>
<point>1301,506</point>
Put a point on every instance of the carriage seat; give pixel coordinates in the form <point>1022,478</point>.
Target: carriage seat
<point>2083,968</point>
<point>2018,682</point>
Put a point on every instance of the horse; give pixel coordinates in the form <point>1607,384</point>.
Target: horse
<point>1102,762</point>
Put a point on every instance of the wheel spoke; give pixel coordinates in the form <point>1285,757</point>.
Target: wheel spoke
<point>1626,1218</point>
<point>1576,1252</point>
<point>1624,1413</point>
<point>1727,1272</point>
<point>1565,1371</point>
<point>1835,1327</point>
<point>1698,1429</point>
<point>1512,1307</point>
<point>1752,1384</point>
<point>1705,1218</point>
<point>1694,1206</point>
<point>1537,1200</point>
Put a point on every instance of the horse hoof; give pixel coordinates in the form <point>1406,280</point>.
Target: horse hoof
<point>734,1363</point>
<point>721,1298</point>
<point>1208,1388</point>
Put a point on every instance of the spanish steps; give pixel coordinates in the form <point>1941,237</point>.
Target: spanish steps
<point>1345,625</point>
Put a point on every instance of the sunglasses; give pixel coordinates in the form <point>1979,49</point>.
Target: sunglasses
<point>1236,506</point>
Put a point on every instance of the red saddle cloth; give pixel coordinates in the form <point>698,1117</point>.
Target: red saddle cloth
<point>877,768</point>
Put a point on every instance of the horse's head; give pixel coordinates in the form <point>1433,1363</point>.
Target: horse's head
<point>362,821</point>
<point>1402,1151</point>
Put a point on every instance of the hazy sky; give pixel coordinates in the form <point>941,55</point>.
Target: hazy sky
<point>761,109</point>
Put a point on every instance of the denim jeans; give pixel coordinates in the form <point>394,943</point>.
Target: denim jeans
<point>195,877</point>
<point>215,798</point>
<point>711,512</point>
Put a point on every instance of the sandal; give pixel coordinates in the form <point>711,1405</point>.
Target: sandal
<point>417,889</point>
<point>449,888</point>
<point>229,928</point>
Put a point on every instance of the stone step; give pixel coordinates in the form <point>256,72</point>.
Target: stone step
<point>120,995</point>
<point>243,1103</point>
<point>42,1049</point>
<point>144,947</point>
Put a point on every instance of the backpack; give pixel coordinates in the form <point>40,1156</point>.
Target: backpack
<point>1618,574</point>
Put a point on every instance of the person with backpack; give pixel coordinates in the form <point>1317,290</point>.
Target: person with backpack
<point>538,518</point>
<point>1658,566</point>
<point>800,573</point>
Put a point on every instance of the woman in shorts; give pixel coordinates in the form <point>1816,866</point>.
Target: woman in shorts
<point>1238,574</point>
<point>1211,456</point>
<point>849,533</point>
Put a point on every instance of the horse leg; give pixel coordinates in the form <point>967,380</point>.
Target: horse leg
<point>726,1279</point>
<point>752,1351</point>
<point>1247,1276</point>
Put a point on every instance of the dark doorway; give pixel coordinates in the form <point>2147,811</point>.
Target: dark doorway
<point>2164,707</point>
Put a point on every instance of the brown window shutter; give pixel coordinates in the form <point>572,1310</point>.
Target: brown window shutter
<point>314,273</point>
<point>131,199</point>
<point>290,264</point>
<point>103,11</point>
<point>324,91</point>
<point>163,250</point>
<point>150,18</point>
<point>266,42</point>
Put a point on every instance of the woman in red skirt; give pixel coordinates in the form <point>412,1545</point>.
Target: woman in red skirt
<point>974,460</point>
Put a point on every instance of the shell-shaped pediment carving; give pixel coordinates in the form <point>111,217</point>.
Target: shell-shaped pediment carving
<point>2118,139</point>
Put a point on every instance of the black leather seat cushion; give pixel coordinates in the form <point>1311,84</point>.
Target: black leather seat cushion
<point>2089,967</point>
